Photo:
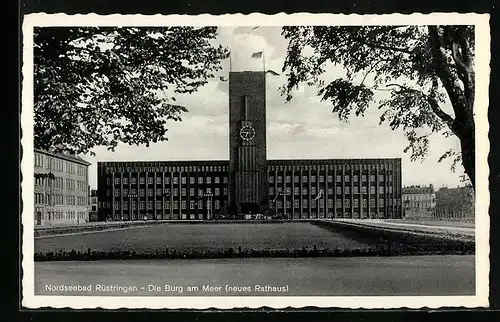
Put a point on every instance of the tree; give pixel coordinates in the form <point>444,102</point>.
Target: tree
<point>420,67</point>
<point>100,86</point>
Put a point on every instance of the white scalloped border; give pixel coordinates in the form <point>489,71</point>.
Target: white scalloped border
<point>481,21</point>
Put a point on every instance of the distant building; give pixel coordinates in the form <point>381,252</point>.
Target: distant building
<point>455,203</point>
<point>93,205</point>
<point>61,195</point>
<point>419,201</point>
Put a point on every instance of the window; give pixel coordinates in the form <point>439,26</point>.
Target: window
<point>381,202</point>
<point>296,191</point>
<point>117,205</point>
<point>200,180</point>
<point>313,191</point>
<point>296,179</point>
<point>125,180</point>
<point>313,179</point>
<point>225,179</point>
<point>346,178</point>
<point>158,180</point>
<point>167,180</point>
<point>191,180</point>
<point>381,189</point>
<point>225,191</point>
<point>288,179</point>
<point>321,179</point>
<point>372,178</point>
<point>347,203</point>
<point>167,204</point>
<point>209,180</point>
<point>330,203</point>
<point>288,190</point>
<point>141,192</point>
<point>125,192</point>
<point>355,178</point>
<point>200,192</point>
<point>313,203</point>
<point>363,178</point>
<point>381,178</point>
<point>191,192</point>
<point>338,178</point>
<point>200,205</point>
<point>183,180</point>
<point>355,189</point>
<point>279,179</point>
<point>217,191</point>
<point>209,190</point>
<point>150,192</point>
<point>134,204</point>
<point>117,192</point>
<point>176,180</point>
<point>304,191</point>
<point>304,178</point>
<point>356,202</point>
<point>330,178</point>
<point>330,191</point>
<point>271,190</point>
<point>217,204</point>
<point>363,189</point>
<point>339,190</point>
<point>183,192</point>
<point>372,190</point>
<point>271,179</point>
<point>142,180</point>
<point>125,205</point>
<point>176,192</point>
<point>133,180</point>
<point>346,190</point>
<point>150,204</point>
<point>279,190</point>
<point>372,202</point>
<point>158,192</point>
<point>296,203</point>
<point>217,179</point>
<point>364,203</point>
<point>304,203</point>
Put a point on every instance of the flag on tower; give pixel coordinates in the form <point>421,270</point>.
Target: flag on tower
<point>257,55</point>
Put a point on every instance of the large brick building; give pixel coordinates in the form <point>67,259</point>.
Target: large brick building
<point>61,189</point>
<point>248,182</point>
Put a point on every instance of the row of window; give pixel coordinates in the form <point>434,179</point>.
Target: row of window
<point>338,204</point>
<point>347,190</point>
<point>200,204</point>
<point>59,200</point>
<point>61,183</point>
<point>418,197</point>
<point>175,180</point>
<point>69,215</point>
<point>59,165</point>
<point>201,168</point>
<point>223,168</point>
<point>420,205</point>
<point>159,192</point>
<point>321,178</point>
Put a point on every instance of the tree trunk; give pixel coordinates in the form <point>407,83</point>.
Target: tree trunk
<point>465,131</point>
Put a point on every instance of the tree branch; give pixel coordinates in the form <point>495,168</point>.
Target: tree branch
<point>390,48</point>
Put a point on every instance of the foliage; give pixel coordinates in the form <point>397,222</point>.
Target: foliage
<point>100,86</point>
<point>419,68</point>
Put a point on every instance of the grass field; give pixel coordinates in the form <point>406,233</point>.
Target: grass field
<point>203,237</point>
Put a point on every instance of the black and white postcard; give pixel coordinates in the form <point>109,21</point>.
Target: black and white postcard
<point>242,161</point>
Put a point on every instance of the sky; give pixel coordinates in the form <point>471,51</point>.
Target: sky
<point>304,128</point>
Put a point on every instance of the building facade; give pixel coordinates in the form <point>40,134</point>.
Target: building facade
<point>455,203</point>
<point>61,189</point>
<point>297,189</point>
<point>419,201</point>
<point>248,182</point>
<point>93,205</point>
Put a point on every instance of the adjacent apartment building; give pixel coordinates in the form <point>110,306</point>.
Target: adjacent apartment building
<point>61,189</point>
<point>419,201</point>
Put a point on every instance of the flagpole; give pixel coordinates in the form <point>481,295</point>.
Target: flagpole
<point>264,59</point>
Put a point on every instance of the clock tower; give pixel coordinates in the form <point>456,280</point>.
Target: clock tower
<point>248,187</point>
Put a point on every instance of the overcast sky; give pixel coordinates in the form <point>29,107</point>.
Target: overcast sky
<point>304,128</point>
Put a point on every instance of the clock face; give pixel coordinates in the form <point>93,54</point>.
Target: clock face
<point>247,133</point>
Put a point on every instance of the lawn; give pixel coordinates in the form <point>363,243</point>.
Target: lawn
<point>182,237</point>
